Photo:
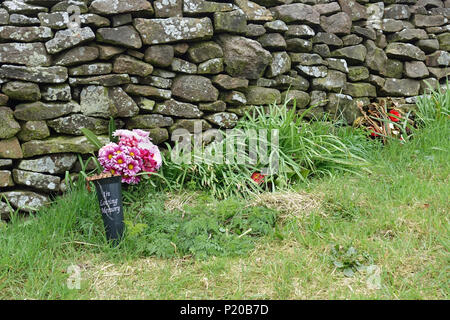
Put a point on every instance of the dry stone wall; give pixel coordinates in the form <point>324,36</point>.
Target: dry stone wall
<point>161,65</point>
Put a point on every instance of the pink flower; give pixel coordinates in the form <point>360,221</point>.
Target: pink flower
<point>130,179</point>
<point>132,167</point>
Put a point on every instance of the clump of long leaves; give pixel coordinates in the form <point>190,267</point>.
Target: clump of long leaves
<point>304,149</point>
<point>433,106</point>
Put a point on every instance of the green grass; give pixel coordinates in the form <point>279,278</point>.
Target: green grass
<point>395,219</point>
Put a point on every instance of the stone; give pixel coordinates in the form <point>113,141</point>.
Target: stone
<point>299,45</point>
<point>230,22</point>
<point>358,73</point>
<point>224,120</point>
<point>226,82</point>
<point>351,40</point>
<point>318,98</point>
<point>108,52</point>
<point>108,80</point>
<point>104,102</point>
<point>25,34</point>
<point>78,144</point>
<point>160,55</point>
<point>405,51</point>
<point>233,98</point>
<point>322,50</point>
<point>306,59</point>
<point>22,91</point>
<point>203,51</point>
<point>157,82</point>
<point>335,81</point>
<point>429,21</point>
<point>368,33</point>
<point>121,19</point>
<point>183,66</point>
<point>244,58</point>
<point>9,127</point>
<point>213,66</point>
<point>56,20</point>
<point>149,121</point>
<point>300,98</point>
<point>439,73</point>
<point>3,99</point>
<point>217,106</point>
<point>255,30</point>
<point>272,41</point>
<point>354,54</point>
<point>148,91</point>
<point>26,200</point>
<point>353,9</point>
<point>39,181</point>
<point>158,135</point>
<point>10,149</point>
<point>439,58</point>
<point>190,125</point>
<point>4,17</point>
<point>146,105</point>
<point>66,5</point>
<point>327,38</point>
<point>5,163</point>
<point>73,124</point>
<point>53,164</point>
<point>313,71</point>
<point>28,54</point>
<point>91,69</point>
<point>113,7</point>
<point>337,64</point>
<point>195,7</point>
<point>33,130</point>
<point>339,23</point>
<point>416,69</point>
<point>262,96</point>
<point>360,89</point>
<point>281,63</point>
<point>76,56</point>
<point>299,31</point>
<point>6,179</point>
<point>125,36</point>
<point>253,11</point>
<point>23,7</point>
<point>297,12</point>
<point>295,82</point>
<point>44,110</point>
<point>341,105</point>
<point>401,87</point>
<point>58,92</point>
<point>167,9</point>
<point>156,31</point>
<point>327,8</point>
<point>428,45</point>
<point>178,109</point>
<point>35,74</point>
<point>276,26</point>
<point>192,88</point>
<point>397,12</point>
<point>444,41</point>
<point>408,35</point>
<point>94,20</point>
<point>69,38</point>
<point>131,66</point>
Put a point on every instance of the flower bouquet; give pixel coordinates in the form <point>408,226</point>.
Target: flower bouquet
<point>128,159</point>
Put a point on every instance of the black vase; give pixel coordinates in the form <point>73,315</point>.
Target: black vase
<point>109,193</point>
